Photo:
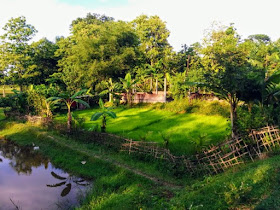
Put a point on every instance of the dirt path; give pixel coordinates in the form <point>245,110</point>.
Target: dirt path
<point>118,164</point>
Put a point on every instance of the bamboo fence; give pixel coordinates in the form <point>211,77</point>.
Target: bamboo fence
<point>212,160</point>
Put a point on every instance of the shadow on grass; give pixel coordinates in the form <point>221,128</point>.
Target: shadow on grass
<point>150,125</point>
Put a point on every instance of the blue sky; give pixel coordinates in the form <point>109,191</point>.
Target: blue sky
<point>96,3</point>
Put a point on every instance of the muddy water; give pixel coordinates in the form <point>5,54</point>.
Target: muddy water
<point>28,181</point>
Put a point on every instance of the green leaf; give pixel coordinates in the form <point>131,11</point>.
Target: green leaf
<point>78,93</point>
<point>53,99</point>
<point>274,78</point>
<point>111,114</point>
<point>82,102</point>
<point>104,92</point>
<point>101,104</point>
<point>128,77</point>
<point>88,92</point>
<point>15,91</point>
<point>96,116</point>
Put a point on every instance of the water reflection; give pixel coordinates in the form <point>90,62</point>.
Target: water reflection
<point>28,180</point>
<point>67,182</point>
<point>22,159</point>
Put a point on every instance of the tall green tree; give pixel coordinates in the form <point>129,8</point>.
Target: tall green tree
<point>14,43</point>
<point>4,79</point>
<point>43,56</point>
<point>227,67</point>
<point>153,35</point>
<point>99,48</point>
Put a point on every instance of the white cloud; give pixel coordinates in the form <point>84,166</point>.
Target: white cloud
<point>186,19</point>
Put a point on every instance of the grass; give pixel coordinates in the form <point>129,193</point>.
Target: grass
<point>147,124</point>
<point>114,187</point>
<point>8,89</point>
<point>254,185</point>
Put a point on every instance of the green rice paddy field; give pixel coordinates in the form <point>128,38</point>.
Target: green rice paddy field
<point>184,131</point>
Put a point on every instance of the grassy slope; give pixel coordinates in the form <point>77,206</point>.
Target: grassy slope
<point>247,186</point>
<point>114,187</point>
<point>150,125</point>
<point>255,185</point>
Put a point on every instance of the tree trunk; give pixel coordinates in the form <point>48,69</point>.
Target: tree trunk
<point>4,93</point>
<point>233,116</point>
<point>103,127</point>
<point>110,97</point>
<point>165,89</point>
<point>151,85</point>
<point>188,66</point>
<point>156,86</point>
<point>129,98</point>
<point>69,120</point>
<point>250,105</point>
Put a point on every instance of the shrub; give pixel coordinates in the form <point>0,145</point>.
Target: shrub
<point>179,87</point>
<point>195,106</point>
<point>16,102</point>
<point>211,108</point>
<point>249,120</point>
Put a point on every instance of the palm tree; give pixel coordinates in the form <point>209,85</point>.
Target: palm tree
<point>128,85</point>
<point>103,113</point>
<point>69,100</point>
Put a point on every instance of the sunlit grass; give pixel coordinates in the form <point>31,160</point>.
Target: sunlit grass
<point>251,186</point>
<point>8,89</point>
<point>145,124</point>
<point>248,186</point>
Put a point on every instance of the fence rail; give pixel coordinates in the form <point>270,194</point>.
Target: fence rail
<point>212,160</point>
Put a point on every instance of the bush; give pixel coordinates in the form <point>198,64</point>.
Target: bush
<point>179,88</point>
<point>211,108</point>
<point>16,102</point>
<point>247,121</point>
<point>195,106</point>
<point>181,105</point>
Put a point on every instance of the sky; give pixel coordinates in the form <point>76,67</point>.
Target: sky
<point>186,20</point>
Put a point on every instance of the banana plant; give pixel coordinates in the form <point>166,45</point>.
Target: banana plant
<point>128,85</point>
<point>110,88</point>
<point>69,100</point>
<point>104,113</point>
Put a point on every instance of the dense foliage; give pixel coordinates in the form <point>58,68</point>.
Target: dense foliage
<point>112,59</point>
<point>108,60</point>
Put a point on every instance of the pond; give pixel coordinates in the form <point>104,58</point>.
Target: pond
<point>29,181</point>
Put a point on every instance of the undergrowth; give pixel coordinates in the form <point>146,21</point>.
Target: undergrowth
<point>254,185</point>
